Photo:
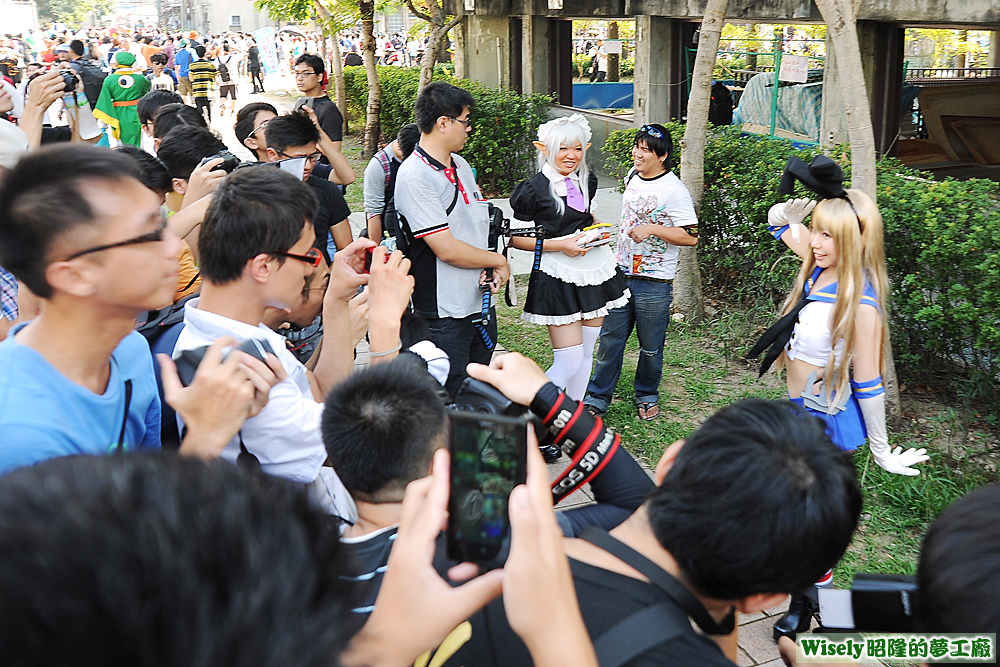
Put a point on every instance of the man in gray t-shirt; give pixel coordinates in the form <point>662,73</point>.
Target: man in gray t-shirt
<point>446,230</point>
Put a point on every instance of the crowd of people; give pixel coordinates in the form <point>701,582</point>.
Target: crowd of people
<point>193,471</point>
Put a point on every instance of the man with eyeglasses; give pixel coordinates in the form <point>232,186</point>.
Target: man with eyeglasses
<point>91,243</point>
<point>249,127</point>
<point>256,249</point>
<point>292,144</point>
<point>444,227</point>
<point>310,79</point>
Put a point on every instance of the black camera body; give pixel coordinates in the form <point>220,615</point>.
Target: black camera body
<point>875,603</point>
<point>69,82</point>
<point>477,396</point>
<point>229,164</point>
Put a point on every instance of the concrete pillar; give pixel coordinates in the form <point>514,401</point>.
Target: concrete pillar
<point>488,50</point>
<point>993,59</point>
<point>536,53</point>
<point>659,90</point>
<point>882,59</point>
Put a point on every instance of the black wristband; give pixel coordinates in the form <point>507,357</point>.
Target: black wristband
<point>544,400</point>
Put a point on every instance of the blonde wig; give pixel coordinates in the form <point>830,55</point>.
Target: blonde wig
<point>857,234</point>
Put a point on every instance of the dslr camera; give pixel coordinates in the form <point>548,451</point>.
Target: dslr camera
<point>229,161</point>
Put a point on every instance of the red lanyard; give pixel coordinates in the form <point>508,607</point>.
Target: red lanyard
<point>452,175</point>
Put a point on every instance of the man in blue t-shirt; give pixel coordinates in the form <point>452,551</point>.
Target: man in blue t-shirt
<point>183,59</point>
<point>91,243</point>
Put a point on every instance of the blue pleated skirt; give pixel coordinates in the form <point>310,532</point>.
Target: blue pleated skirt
<point>846,428</point>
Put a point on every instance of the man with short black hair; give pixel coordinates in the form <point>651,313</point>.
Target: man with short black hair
<point>657,219</point>
<point>147,107</point>
<point>310,79</point>
<point>249,127</point>
<point>380,182</point>
<point>756,503</point>
<point>202,73</point>
<point>160,78</point>
<point>292,143</point>
<point>90,242</point>
<point>446,230</point>
<point>255,252</point>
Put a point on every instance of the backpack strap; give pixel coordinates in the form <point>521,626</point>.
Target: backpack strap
<point>663,580</point>
<point>637,633</point>
<point>630,175</point>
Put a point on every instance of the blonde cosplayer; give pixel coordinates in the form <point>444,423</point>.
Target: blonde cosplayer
<point>832,334</point>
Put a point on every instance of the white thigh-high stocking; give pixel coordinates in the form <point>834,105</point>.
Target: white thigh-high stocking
<point>565,364</point>
<point>576,388</point>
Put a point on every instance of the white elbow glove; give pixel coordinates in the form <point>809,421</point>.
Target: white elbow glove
<point>789,214</point>
<point>891,460</point>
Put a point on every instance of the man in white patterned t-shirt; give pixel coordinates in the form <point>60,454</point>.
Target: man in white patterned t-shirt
<point>657,217</point>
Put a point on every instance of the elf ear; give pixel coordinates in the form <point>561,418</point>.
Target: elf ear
<point>542,147</point>
<point>589,145</point>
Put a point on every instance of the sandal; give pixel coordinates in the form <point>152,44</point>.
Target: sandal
<point>648,411</point>
<point>594,411</point>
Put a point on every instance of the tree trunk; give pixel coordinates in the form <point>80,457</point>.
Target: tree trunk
<point>339,85</point>
<point>842,26</point>
<point>429,58</point>
<point>752,47</point>
<point>687,284</point>
<point>439,31</point>
<point>460,50</point>
<point>614,59</point>
<point>372,128</point>
<point>840,17</point>
<point>338,62</point>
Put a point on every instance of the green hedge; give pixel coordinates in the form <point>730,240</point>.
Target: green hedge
<point>942,249</point>
<point>504,122</point>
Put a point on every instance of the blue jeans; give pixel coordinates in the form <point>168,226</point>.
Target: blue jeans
<point>649,312</point>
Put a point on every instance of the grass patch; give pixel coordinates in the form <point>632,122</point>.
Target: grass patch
<point>703,371</point>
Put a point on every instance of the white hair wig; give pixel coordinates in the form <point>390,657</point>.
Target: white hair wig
<point>565,131</point>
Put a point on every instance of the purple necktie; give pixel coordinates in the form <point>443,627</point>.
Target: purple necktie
<point>574,198</point>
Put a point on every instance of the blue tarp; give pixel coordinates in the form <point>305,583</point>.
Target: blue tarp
<point>602,95</point>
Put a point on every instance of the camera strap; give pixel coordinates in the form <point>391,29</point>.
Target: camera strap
<point>128,404</point>
<point>680,594</point>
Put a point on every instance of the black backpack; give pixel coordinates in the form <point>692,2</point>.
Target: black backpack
<point>224,69</point>
<point>93,80</point>
<point>161,330</point>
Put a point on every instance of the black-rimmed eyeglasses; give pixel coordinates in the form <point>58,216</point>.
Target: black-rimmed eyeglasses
<point>467,122</point>
<point>150,237</point>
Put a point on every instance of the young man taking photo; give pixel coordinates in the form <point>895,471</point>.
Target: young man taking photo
<point>292,143</point>
<point>310,79</point>
<point>446,230</point>
<point>91,243</point>
<point>256,250</point>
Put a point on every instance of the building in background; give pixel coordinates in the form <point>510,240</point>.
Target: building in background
<point>212,15</point>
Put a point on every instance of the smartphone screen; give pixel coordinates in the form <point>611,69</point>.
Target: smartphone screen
<point>488,454</point>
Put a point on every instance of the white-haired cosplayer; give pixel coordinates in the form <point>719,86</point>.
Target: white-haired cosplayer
<point>572,285</point>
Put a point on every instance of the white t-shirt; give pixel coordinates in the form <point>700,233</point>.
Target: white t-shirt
<point>285,436</point>
<point>662,200</point>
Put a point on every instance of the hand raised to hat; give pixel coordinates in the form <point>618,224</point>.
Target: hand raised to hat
<point>791,213</point>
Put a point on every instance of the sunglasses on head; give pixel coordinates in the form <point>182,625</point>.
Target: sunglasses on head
<point>651,131</point>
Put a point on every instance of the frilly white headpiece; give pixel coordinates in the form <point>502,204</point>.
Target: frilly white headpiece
<point>575,119</point>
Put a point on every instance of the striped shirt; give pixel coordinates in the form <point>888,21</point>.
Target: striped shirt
<point>8,295</point>
<point>202,74</point>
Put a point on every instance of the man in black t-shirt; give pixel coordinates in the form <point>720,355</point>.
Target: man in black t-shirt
<point>253,64</point>
<point>310,79</point>
<point>755,504</point>
<point>292,142</point>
